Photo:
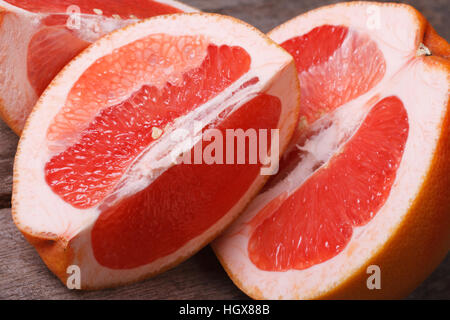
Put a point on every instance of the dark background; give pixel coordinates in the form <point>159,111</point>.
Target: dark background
<point>24,276</point>
<point>267,14</point>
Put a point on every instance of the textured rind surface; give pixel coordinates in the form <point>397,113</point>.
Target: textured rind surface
<point>58,253</point>
<point>422,240</point>
<point>437,45</point>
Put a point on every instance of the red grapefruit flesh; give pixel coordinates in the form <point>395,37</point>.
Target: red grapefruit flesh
<point>110,198</point>
<point>364,181</point>
<point>348,192</point>
<point>78,174</point>
<point>140,9</point>
<point>48,35</point>
<point>333,72</point>
<point>48,53</point>
<point>162,217</point>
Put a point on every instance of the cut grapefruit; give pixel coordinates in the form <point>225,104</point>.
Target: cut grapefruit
<point>38,38</point>
<point>364,187</point>
<point>95,181</point>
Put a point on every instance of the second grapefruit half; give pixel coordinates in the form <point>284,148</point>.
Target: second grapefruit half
<point>364,186</point>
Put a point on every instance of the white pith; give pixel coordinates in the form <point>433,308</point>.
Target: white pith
<point>18,27</point>
<point>15,88</point>
<point>150,165</point>
<point>42,213</point>
<point>423,89</point>
<point>331,132</point>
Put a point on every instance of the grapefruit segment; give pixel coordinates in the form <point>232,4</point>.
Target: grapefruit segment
<point>48,52</point>
<point>48,34</point>
<point>335,65</point>
<point>363,181</point>
<point>118,134</point>
<point>347,191</point>
<point>112,195</point>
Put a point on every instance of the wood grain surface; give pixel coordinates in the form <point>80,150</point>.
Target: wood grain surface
<point>24,276</point>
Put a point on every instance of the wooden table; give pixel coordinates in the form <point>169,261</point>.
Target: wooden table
<point>24,276</point>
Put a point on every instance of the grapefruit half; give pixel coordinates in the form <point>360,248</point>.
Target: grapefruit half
<point>38,38</point>
<point>361,205</point>
<point>95,181</point>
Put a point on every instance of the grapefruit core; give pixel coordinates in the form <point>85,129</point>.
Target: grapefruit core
<point>365,180</point>
<point>46,35</point>
<point>95,185</point>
